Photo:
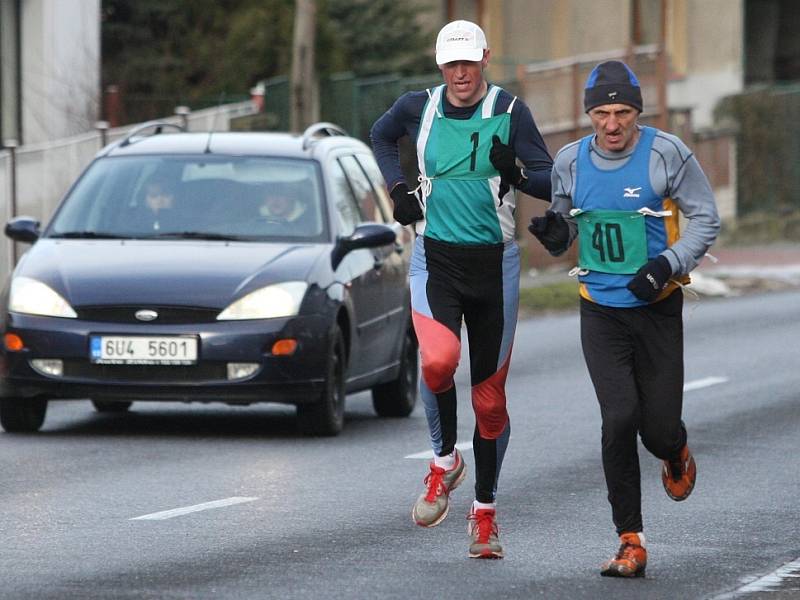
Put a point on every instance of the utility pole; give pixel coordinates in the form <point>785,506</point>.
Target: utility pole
<point>662,69</point>
<point>303,97</point>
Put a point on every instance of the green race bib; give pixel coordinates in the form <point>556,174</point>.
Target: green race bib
<point>611,241</point>
<point>463,146</point>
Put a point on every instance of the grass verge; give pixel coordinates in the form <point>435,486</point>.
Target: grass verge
<point>551,297</point>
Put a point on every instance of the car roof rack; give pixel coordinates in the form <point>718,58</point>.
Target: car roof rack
<point>318,130</point>
<point>156,126</point>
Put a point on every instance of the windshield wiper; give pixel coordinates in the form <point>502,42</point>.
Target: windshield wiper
<point>197,235</point>
<point>90,235</point>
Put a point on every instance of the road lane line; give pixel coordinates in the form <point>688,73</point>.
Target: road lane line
<point>177,512</point>
<point>698,384</point>
<point>429,453</point>
<point>767,583</point>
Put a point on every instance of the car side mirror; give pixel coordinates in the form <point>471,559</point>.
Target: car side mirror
<point>23,229</point>
<point>367,235</point>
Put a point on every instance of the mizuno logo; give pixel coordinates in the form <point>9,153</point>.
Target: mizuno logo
<point>612,95</point>
<point>631,192</point>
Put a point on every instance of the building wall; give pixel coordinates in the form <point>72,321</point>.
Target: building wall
<point>707,48</point>
<point>704,41</point>
<point>540,30</point>
<point>60,68</point>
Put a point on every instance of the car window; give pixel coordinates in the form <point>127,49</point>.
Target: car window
<point>363,190</point>
<point>373,172</point>
<point>257,198</point>
<point>347,210</point>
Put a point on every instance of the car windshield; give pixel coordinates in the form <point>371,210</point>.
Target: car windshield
<point>180,197</point>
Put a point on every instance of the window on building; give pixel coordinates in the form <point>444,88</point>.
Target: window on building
<point>645,22</point>
<point>772,45</point>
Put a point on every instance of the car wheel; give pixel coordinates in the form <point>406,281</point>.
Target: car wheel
<point>397,398</point>
<point>326,417</point>
<point>109,406</point>
<point>22,415</point>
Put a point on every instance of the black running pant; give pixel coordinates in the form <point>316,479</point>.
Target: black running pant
<point>635,361</point>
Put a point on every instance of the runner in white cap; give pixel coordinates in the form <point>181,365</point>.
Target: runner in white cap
<point>469,135</point>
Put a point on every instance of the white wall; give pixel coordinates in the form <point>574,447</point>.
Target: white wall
<point>60,68</point>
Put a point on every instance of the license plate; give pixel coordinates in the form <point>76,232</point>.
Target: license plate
<point>143,350</point>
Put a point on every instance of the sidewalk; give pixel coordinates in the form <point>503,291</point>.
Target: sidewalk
<point>745,269</point>
<point>737,270</point>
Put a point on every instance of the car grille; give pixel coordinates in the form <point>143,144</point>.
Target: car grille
<point>167,315</point>
<point>211,371</point>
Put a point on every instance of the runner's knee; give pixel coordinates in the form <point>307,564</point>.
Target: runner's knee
<point>620,425</point>
<point>438,370</point>
<point>491,415</point>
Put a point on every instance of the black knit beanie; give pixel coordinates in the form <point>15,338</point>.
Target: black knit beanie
<point>612,82</point>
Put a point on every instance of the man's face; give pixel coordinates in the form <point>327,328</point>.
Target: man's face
<point>158,198</point>
<point>279,206</point>
<point>464,79</point>
<point>615,126</point>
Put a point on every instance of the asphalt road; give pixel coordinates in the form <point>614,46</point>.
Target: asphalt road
<point>330,518</point>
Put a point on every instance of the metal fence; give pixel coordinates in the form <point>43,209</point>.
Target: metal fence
<point>351,102</point>
<point>45,171</point>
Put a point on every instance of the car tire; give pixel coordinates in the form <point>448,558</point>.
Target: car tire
<point>326,417</point>
<point>111,406</point>
<point>397,398</point>
<point>22,415</point>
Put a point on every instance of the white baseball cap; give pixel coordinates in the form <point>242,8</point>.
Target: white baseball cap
<point>460,40</point>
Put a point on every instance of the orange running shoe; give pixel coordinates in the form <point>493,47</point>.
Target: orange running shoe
<point>678,477</point>
<point>630,560</point>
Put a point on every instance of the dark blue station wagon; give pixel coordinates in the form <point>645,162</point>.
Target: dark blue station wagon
<point>214,267</point>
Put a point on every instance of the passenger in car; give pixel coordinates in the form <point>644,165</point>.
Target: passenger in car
<point>291,210</point>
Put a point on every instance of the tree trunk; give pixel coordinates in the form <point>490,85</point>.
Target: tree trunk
<point>304,109</point>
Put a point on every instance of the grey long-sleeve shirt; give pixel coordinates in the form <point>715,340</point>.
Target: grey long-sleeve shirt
<point>674,173</point>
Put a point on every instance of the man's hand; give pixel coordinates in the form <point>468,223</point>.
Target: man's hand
<point>406,205</point>
<point>651,279</point>
<point>504,159</point>
<point>551,230</point>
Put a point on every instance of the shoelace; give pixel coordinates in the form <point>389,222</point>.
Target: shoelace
<point>435,482</point>
<point>626,552</point>
<point>485,524</point>
<point>676,469</point>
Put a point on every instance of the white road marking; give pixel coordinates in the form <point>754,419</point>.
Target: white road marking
<point>703,383</point>
<point>429,453</point>
<point>767,583</point>
<point>177,512</point>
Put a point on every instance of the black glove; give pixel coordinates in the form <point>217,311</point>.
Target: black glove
<point>406,205</point>
<point>552,230</point>
<point>650,279</point>
<point>504,159</point>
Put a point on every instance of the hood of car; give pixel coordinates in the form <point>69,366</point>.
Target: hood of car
<point>176,273</point>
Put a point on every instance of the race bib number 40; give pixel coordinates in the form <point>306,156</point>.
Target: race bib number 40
<point>611,241</point>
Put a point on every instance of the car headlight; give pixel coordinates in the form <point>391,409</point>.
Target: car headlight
<point>279,300</point>
<point>33,297</point>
